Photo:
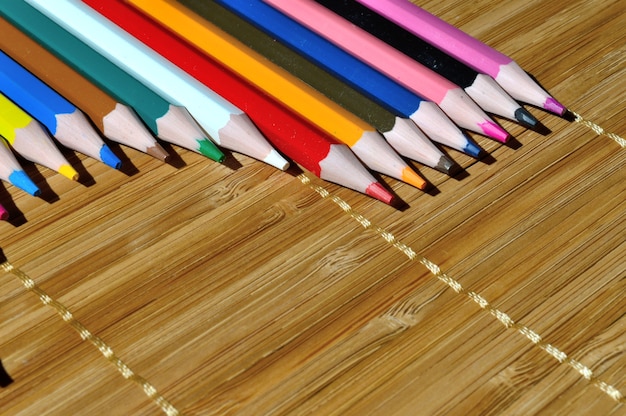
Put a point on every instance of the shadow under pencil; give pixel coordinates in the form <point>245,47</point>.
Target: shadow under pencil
<point>5,379</point>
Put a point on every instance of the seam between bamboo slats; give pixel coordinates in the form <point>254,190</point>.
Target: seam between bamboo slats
<point>598,130</point>
<point>86,335</point>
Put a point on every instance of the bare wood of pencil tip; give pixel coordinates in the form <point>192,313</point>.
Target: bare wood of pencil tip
<point>115,120</point>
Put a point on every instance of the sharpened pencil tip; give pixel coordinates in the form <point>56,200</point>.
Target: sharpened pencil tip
<point>447,166</point>
<point>472,149</point>
<point>494,131</point>
<point>21,180</point>
<point>68,172</point>
<point>158,152</point>
<point>376,190</point>
<point>412,178</point>
<point>554,106</point>
<point>109,158</point>
<point>526,119</point>
<point>275,159</point>
<point>208,149</point>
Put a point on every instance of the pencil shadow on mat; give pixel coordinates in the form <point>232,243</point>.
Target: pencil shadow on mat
<point>5,379</point>
<point>569,116</point>
<point>47,194</point>
<point>128,168</point>
<point>174,158</point>
<point>230,161</point>
<point>16,217</point>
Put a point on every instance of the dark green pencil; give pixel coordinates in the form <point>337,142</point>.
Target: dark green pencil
<point>403,135</point>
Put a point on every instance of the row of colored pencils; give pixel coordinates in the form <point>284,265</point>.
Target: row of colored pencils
<point>341,87</point>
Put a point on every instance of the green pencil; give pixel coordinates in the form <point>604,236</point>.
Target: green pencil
<point>403,135</point>
<point>167,121</point>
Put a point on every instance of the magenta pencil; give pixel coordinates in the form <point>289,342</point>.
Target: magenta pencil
<point>404,70</point>
<point>467,49</point>
<point>4,214</point>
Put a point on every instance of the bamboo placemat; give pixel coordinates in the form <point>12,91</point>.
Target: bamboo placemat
<point>238,289</point>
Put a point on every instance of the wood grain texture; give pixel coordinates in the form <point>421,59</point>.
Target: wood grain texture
<point>236,289</point>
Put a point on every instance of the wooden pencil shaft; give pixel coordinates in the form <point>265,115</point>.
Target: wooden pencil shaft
<point>29,139</point>
<point>467,49</point>
<point>93,101</point>
<point>167,121</point>
<point>30,93</point>
<point>61,117</point>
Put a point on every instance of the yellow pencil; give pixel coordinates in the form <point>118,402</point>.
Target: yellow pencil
<point>362,138</point>
<point>30,140</point>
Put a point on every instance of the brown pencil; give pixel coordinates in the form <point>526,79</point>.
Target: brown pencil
<point>115,120</point>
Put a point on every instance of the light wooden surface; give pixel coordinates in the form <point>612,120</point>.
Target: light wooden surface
<point>241,291</point>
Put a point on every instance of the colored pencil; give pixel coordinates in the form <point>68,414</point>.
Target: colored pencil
<point>12,172</point>
<point>4,214</point>
<point>309,147</point>
<point>64,121</point>
<point>401,133</point>
<point>451,98</point>
<point>371,83</point>
<point>113,119</point>
<point>227,125</point>
<point>167,121</point>
<point>368,145</point>
<point>467,49</point>
<point>28,138</point>
<point>483,89</point>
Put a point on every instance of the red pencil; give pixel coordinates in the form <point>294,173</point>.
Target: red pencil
<point>312,149</point>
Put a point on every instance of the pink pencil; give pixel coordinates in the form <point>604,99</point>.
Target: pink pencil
<point>404,70</point>
<point>4,214</point>
<point>466,49</point>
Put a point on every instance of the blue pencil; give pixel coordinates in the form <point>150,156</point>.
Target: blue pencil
<point>12,172</point>
<point>64,121</point>
<point>377,86</point>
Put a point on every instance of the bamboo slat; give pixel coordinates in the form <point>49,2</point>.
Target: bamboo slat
<point>237,289</point>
